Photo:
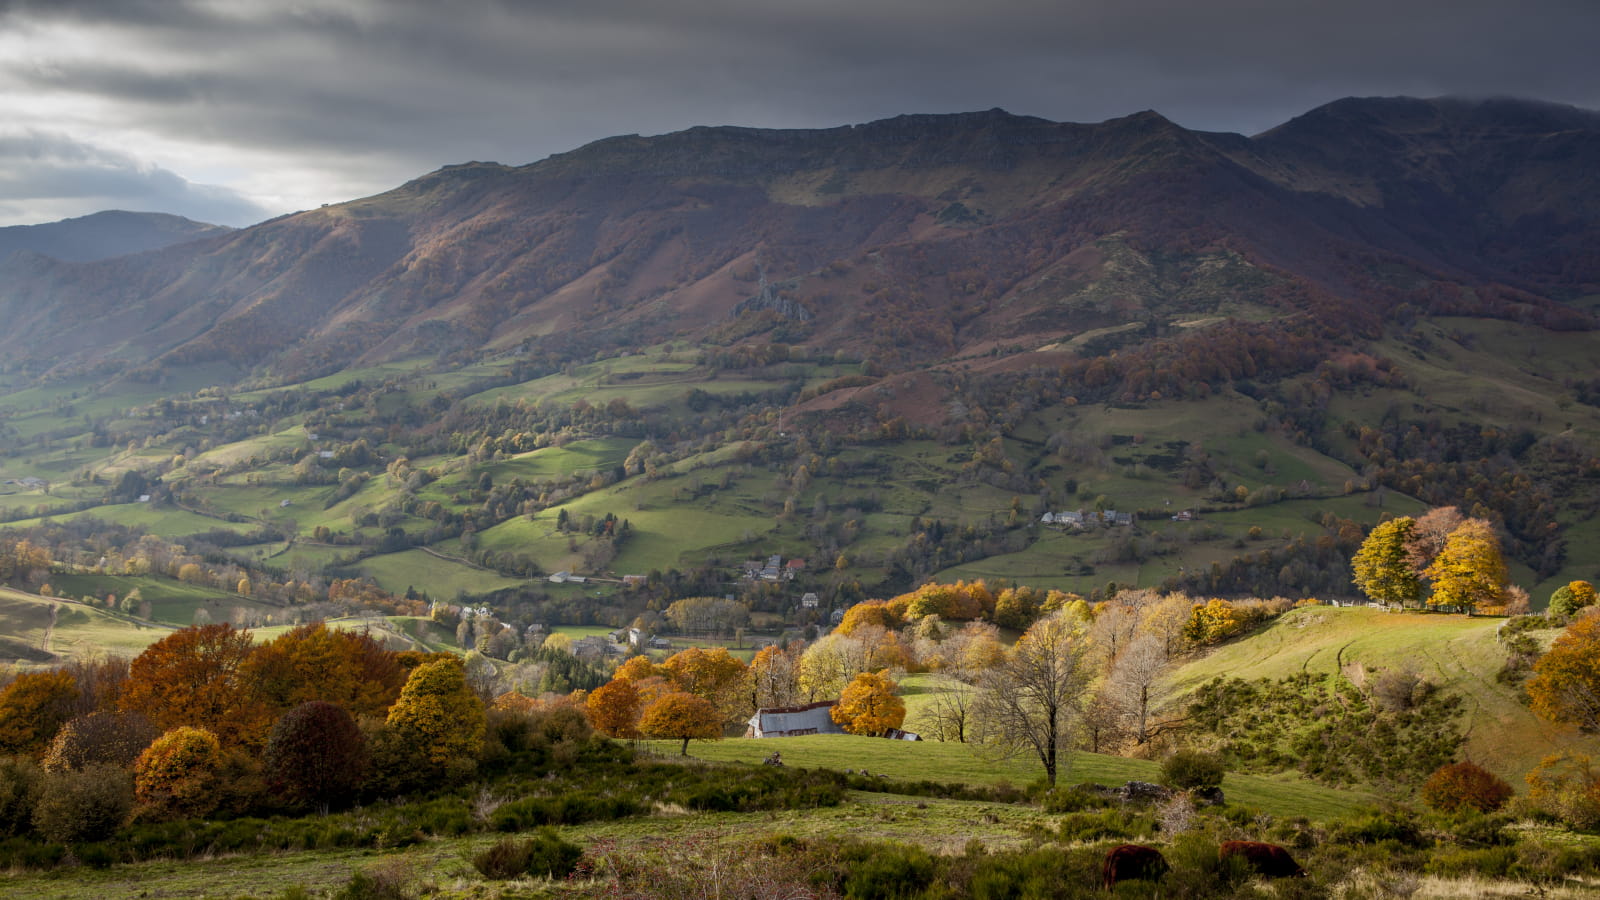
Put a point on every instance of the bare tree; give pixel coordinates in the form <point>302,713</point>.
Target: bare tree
<point>1031,703</point>
<point>1134,682</point>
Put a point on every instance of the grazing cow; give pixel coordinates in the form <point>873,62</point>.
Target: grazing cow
<point>1127,862</point>
<point>1266,860</point>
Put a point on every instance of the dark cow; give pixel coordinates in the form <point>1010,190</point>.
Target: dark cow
<point>1266,860</point>
<point>1127,862</point>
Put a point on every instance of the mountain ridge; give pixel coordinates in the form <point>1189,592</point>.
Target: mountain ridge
<point>902,239</point>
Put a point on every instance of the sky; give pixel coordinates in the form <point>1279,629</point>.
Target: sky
<point>233,111</point>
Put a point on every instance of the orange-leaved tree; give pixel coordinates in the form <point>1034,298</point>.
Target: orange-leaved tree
<point>680,715</point>
<point>867,612</point>
<point>33,707</point>
<point>314,662</point>
<point>1465,785</point>
<point>716,676</point>
<point>194,677</point>
<point>869,705</point>
<point>613,709</point>
<point>1566,683</point>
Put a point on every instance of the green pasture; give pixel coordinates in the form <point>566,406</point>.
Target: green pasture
<point>45,631</point>
<point>171,601</point>
<point>439,578</point>
<point>1457,653</point>
<point>955,763</point>
<point>169,521</point>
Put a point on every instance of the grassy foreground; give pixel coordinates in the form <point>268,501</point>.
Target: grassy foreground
<point>953,763</point>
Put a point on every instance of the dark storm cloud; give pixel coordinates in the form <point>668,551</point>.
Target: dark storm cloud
<point>364,93</point>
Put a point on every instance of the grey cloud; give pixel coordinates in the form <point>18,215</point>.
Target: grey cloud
<point>53,172</point>
<point>374,91</point>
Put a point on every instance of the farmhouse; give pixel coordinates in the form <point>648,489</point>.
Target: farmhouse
<point>791,721</point>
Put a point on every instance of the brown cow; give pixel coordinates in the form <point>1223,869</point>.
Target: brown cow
<point>1126,862</point>
<point>1266,860</point>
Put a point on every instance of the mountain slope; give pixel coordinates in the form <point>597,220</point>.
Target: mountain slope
<point>907,239</point>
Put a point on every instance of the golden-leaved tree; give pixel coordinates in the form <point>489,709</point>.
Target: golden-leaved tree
<point>1382,567</point>
<point>438,717</point>
<point>1469,572</point>
<point>869,705</point>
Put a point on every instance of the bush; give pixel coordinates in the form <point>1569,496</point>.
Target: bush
<point>545,855</point>
<point>1192,770</point>
<point>1463,786</point>
<point>83,806</point>
<point>19,791</point>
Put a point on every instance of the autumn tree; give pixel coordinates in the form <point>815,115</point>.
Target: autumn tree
<point>1382,567</point>
<point>613,708</point>
<point>114,737</point>
<point>316,754</point>
<point>1571,597</point>
<point>1214,621</point>
<point>716,676</point>
<point>1565,686</point>
<point>1031,701</point>
<point>867,612</point>
<point>33,707</point>
<point>869,705</point>
<point>195,677</point>
<point>960,661</point>
<point>1469,572</point>
<point>1465,785</point>
<point>315,662</point>
<point>679,715</point>
<point>1016,607</point>
<point>178,776</point>
<point>1429,535</point>
<point>829,664</point>
<point>775,677</point>
<point>439,718</point>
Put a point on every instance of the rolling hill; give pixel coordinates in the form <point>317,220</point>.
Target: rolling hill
<point>1458,654</point>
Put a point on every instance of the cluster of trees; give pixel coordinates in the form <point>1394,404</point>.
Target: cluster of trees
<point>1456,559</point>
<point>206,721</point>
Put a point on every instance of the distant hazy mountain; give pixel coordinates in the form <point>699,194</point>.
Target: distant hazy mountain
<point>103,235</point>
<point>909,240</point>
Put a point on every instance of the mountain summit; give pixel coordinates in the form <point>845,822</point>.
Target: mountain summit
<point>917,238</point>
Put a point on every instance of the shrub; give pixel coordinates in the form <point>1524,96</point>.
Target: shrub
<point>83,806</point>
<point>377,883</point>
<point>544,855</point>
<point>1465,785</point>
<point>1192,770</point>
<point>19,791</point>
